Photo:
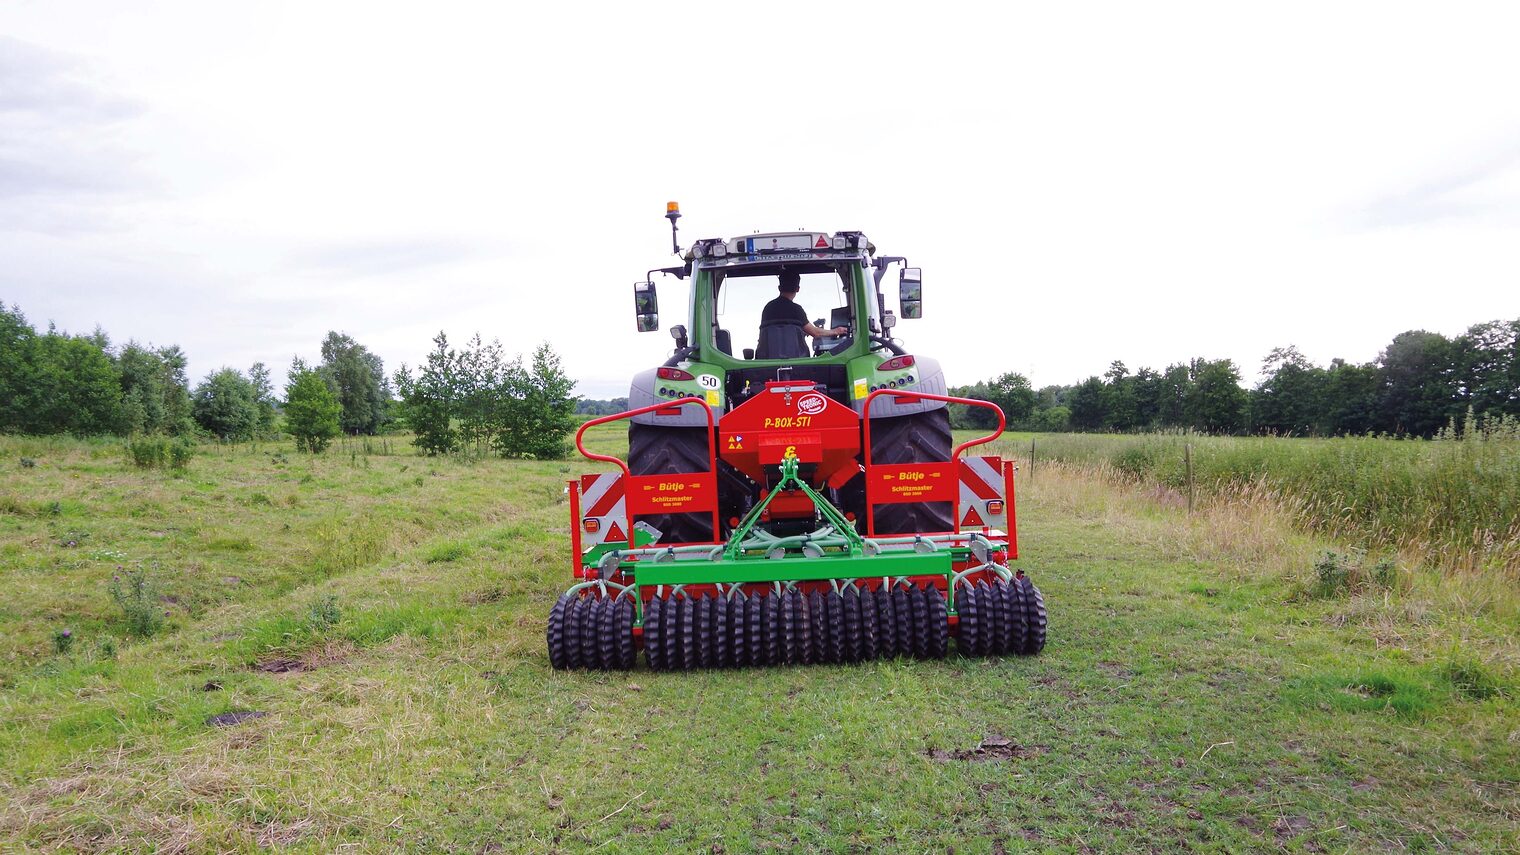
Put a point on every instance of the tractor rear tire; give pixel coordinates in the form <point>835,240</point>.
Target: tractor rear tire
<point>917,438</point>
<point>655,450</point>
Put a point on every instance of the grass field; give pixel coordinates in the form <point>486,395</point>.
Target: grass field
<point>384,614</point>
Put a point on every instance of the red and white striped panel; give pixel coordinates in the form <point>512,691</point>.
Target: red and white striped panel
<point>982,491</point>
<point>602,500</point>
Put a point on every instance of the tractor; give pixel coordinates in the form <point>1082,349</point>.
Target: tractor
<point>798,501</point>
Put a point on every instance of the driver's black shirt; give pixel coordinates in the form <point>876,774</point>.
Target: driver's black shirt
<point>783,311</point>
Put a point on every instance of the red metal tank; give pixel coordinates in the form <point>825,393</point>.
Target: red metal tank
<point>791,418</point>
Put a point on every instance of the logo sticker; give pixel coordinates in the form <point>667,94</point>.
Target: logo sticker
<point>860,388</point>
<point>714,399</point>
<point>812,404</point>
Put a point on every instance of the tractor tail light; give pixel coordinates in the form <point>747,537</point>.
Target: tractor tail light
<point>673,374</point>
<point>591,525</point>
<point>897,363</point>
<point>995,507</point>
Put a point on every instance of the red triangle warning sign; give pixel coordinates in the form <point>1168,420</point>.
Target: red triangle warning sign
<point>972,520</point>
<point>823,243</point>
<point>615,533</point>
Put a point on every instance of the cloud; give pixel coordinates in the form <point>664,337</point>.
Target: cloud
<point>60,141</point>
<point>379,256</point>
<point>1486,189</point>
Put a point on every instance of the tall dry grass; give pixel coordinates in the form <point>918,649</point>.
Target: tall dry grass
<point>1451,503</point>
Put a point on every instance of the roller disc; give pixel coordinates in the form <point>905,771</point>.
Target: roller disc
<point>920,611</point>
<point>626,657</point>
<point>591,628</point>
<point>722,640</point>
<point>772,610</point>
<point>986,602</point>
<point>670,634</point>
<point>834,605</point>
<point>852,640</point>
<point>1019,624</point>
<point>654,625</point>
<point>870,644</point>
<point>902,610</point>
<point>574,616</point>
<point>969,624</point>
<point>754,623</point>
<point>939,626</point>
<point>690,654</point>
<point>555,633</point>
<point>886,624</point>
<point>707,627</point>
<point>1034,617</point>
<point>737,607</point>
<point>1001,624</point>
<point>788,621</point>
<point>804,627</point>
<point>817,624</point>
<point>606,636</point>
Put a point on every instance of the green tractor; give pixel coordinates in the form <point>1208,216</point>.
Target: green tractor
<point>799,501</point>
<point>728,350</point>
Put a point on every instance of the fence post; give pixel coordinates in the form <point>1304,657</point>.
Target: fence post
<point>1187,455</point>
<point>1031,459</point>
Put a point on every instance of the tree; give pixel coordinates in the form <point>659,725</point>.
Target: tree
<point>1148,387</point>
<point>312,411</point>
<point>428,399</point>
<point>1086,405</point>
<point>358,378</point>
<point>1119,410</point>
<point>1350,399</point>
<point>263,397</point>
<point>1418,395</point>
<point>1215,402</point>
<point>1290,400</point>
<point>540,411</point>
<point>225,404</point>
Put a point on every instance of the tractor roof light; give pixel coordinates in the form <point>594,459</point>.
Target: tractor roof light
<point>841,242</point>
<point>897,363</point>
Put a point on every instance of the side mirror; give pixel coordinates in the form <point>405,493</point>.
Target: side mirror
<point>888,320</point>
<point>646,306</point>
<point>910,292</point>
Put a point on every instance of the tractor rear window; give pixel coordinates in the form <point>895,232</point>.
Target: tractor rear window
<point>740,300</point>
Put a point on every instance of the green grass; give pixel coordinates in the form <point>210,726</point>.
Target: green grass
<point>1196,693</point>
<point>1450,503</point>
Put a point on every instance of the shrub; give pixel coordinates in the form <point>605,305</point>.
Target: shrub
<point>158,452</point>
<point>324,613</point>
<point>63,639</point>
<point>1337,574</point>
<point>137,597</point>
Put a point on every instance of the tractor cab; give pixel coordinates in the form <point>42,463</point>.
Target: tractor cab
<point>745,333</point>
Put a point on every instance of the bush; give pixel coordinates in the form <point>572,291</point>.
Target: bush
<point>63,639</point>
<point>1337,574</point>
<point>137,597</point>
<point>157,452</point>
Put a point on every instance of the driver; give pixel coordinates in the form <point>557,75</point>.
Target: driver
<point>783,323</point>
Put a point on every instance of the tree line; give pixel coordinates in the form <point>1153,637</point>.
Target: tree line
<point>53,382</point>
<point>1420,383</point>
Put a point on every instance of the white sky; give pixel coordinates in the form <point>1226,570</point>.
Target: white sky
<point>1080,182</point>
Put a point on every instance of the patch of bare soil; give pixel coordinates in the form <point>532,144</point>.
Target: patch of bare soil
<point>993,747</point>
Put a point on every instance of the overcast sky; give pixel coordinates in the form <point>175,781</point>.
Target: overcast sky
<point>1079,182</point>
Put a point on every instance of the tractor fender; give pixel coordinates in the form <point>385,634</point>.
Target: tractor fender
<point>931,380</point>
<point>641,393</point>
